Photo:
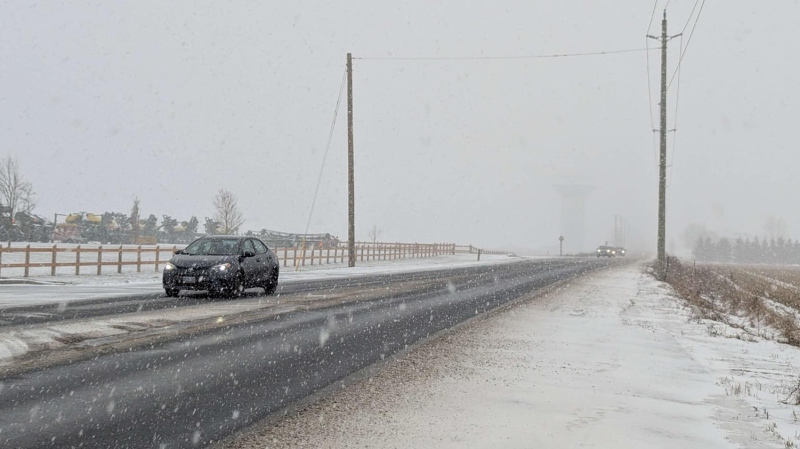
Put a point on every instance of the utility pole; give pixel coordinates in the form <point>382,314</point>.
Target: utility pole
<point>351,194</point>
<point>662,158</point>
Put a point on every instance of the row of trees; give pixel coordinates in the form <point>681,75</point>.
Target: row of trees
<point>227,220</point>
<point>769,251</point>
<point>17,222</point>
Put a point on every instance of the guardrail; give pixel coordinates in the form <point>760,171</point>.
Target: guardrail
<point>90,259</point>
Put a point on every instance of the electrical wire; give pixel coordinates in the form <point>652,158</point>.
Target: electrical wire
<point>327,149</point>
<point>675,120</point>
<point>688,41</point>
<point>649,88</point>
<point>480,58</point>
<point>689,19</point>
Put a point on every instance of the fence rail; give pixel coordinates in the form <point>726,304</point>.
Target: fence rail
<point>152,257</point>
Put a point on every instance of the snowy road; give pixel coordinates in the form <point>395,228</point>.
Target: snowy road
<point>198,388</point>
<point>610,360</point>
<point>156,300</point>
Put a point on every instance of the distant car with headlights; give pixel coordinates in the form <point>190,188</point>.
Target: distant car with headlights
<point>606,251</point>
<point>222,265</point>
<point>620,251</point>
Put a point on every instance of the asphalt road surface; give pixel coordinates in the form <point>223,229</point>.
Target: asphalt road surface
<point>197,389</point>
<point>116,304</point>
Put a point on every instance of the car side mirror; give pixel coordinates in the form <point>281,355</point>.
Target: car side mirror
<point>178,252</point>
<point>249,254</point>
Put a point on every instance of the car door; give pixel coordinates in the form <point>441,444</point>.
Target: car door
<point>264,258</point>
<point>250,265</point>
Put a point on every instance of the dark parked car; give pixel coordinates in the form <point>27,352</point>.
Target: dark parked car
<point>606,251</point>
<point>222,265</point>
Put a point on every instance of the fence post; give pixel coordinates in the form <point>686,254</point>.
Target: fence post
<point>78,261</point>
<point>327,257</point>
<point>119,260</point>
<point>27,259</point>
<point>158,254</point>
<point>139,259</point>
<point>53,262</point>
<point>1,255</point>
<point>285,255</point>
<point>100,260</point>
<point>313,248</point>
<point>335,251</point>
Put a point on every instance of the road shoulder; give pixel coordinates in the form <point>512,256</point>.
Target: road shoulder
<point>609,360</point>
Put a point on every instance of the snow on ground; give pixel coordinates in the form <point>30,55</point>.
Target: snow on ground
<point>610,361</point>
<point>65,288</point>
<point>18,341</point>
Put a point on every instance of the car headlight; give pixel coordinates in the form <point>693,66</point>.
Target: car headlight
<point>221,267</point>
<point>169,267</point>
<point>598,250</point>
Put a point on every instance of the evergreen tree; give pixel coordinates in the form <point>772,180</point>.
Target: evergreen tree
<point>191,227</point>
<point>723,250</point>
<point>150,226</point>
<point>739,254</point>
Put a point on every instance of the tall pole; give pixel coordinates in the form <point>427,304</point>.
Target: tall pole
<point>662,157</point>
<point>351,194</point>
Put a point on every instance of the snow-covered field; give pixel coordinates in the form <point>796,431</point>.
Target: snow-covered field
<point>611,361</point>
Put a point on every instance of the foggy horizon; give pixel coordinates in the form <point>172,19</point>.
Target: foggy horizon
<point>109,102</point>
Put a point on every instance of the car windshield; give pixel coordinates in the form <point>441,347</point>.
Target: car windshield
<point>212,247</point>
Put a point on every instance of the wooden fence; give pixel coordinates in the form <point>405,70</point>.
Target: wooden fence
<point>94,259</point>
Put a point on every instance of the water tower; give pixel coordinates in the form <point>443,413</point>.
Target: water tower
<point>573,222</point>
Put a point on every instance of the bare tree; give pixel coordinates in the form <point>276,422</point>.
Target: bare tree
<point>16,194</point>
<point>227,212</point>
<point>374,233</point>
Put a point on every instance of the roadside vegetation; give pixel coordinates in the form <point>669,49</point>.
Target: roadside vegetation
<point>760,301</point>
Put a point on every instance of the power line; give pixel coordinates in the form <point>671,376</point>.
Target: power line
<point>675,120</point>
<point>688,19</point>
<point>481,58</point>
<point>649,88</point>
<point>327,148</point>
<point>688,41</point>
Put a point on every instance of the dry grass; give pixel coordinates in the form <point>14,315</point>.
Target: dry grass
<point>754,299</point>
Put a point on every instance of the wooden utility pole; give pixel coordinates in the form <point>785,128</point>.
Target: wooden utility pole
<point>351,195</point>
<point>662,158</point>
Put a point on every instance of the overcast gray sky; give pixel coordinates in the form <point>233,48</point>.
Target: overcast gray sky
<point>170,101</point>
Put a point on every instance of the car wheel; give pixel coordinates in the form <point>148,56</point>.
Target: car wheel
<point>172,292</point>
<point>272,283</point>
<point>237,287</point>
